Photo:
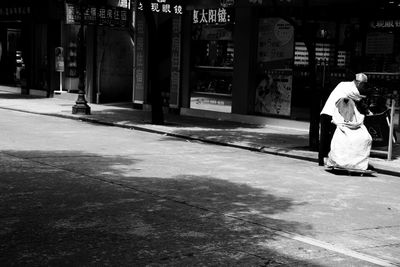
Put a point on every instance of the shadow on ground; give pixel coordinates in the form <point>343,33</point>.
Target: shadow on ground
<point>382,152</point>
<point>252,139</point>
<point>74,209</point>
<point>8,95</point>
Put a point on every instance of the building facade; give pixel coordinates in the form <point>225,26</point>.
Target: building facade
<point>269,58</point>
<point>258,58</point>
<point>39,48</point>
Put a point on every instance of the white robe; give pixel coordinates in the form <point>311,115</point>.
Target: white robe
<point>343,89</point>
<point>351,143</point>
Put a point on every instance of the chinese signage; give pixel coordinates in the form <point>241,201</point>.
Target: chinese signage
<point>14,11</point>
<point>212,16</point>
<point>102,16</point>
<point>162,6</point>
<point>138,95</point>
<point>175,62</point>
<point>379,24</point>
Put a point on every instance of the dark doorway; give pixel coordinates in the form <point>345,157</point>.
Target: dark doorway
<point>11,54</point>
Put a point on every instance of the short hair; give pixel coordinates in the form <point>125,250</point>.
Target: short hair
<point>361,77</point>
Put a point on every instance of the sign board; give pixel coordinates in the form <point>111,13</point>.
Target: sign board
<point>140,58</point>
<point>175,61</point>
<point>101,16</point>
<point>163,6</point>
<point>385,24</point>
<point>59,59</point>
<point>15,12</point>
<point>212,16</point>
<point>275,41</point>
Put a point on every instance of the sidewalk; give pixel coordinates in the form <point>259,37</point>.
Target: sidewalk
<point>280,137</point>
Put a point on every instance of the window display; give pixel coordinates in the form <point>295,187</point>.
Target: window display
<point>212,59</point>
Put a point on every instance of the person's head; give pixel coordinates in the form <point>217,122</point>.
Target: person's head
<point>361,82</point>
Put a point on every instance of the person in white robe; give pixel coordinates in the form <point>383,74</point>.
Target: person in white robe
<point>351,89</point>
<point>351,142</point>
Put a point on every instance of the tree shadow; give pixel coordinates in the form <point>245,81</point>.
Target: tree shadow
<point>63,209</point>
<point>252,139</point>
<point>8,95</point>
<point>212,131</point>
<point>179,121</point>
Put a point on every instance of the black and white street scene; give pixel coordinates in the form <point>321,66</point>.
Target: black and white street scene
<point>200,133</point>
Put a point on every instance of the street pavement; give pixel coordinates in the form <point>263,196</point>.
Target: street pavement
<point>82,194</point>
<point>279,137</point>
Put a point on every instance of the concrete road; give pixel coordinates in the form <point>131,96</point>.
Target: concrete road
<point>80,194</point>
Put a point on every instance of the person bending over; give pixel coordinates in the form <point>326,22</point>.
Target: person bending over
<point>351,142</point>
<point>349,89</point>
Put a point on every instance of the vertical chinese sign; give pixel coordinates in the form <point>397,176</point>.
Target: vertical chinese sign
<point>166,8</point>
<point>138,95</point>
<point>275,60</point>
<point>175,62</point>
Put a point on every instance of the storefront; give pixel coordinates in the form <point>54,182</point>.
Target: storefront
<point>212,54</point>
<point>167,51</point>
<point>29,30</point>
<point>109,51</point>
<point>382,51</point>
<point>252,57</point>
<point>12,50</point>
<point>382,60</point>
<point>241,61</point>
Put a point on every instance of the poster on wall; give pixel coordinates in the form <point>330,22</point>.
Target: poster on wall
<point>275,57</point>
<point>274,92</point>
<point>275,43</point>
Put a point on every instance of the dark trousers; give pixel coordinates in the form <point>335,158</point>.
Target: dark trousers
<point>326,134</point>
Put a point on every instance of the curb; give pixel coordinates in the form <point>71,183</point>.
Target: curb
<point>261,149</point>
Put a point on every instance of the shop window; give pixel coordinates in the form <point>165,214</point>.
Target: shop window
<point>212,59</point>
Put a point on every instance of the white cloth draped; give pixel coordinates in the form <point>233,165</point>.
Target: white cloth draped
<point>343,89</point>
<point>351,142</point>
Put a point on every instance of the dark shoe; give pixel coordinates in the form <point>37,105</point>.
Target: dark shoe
<point>370,167</point>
